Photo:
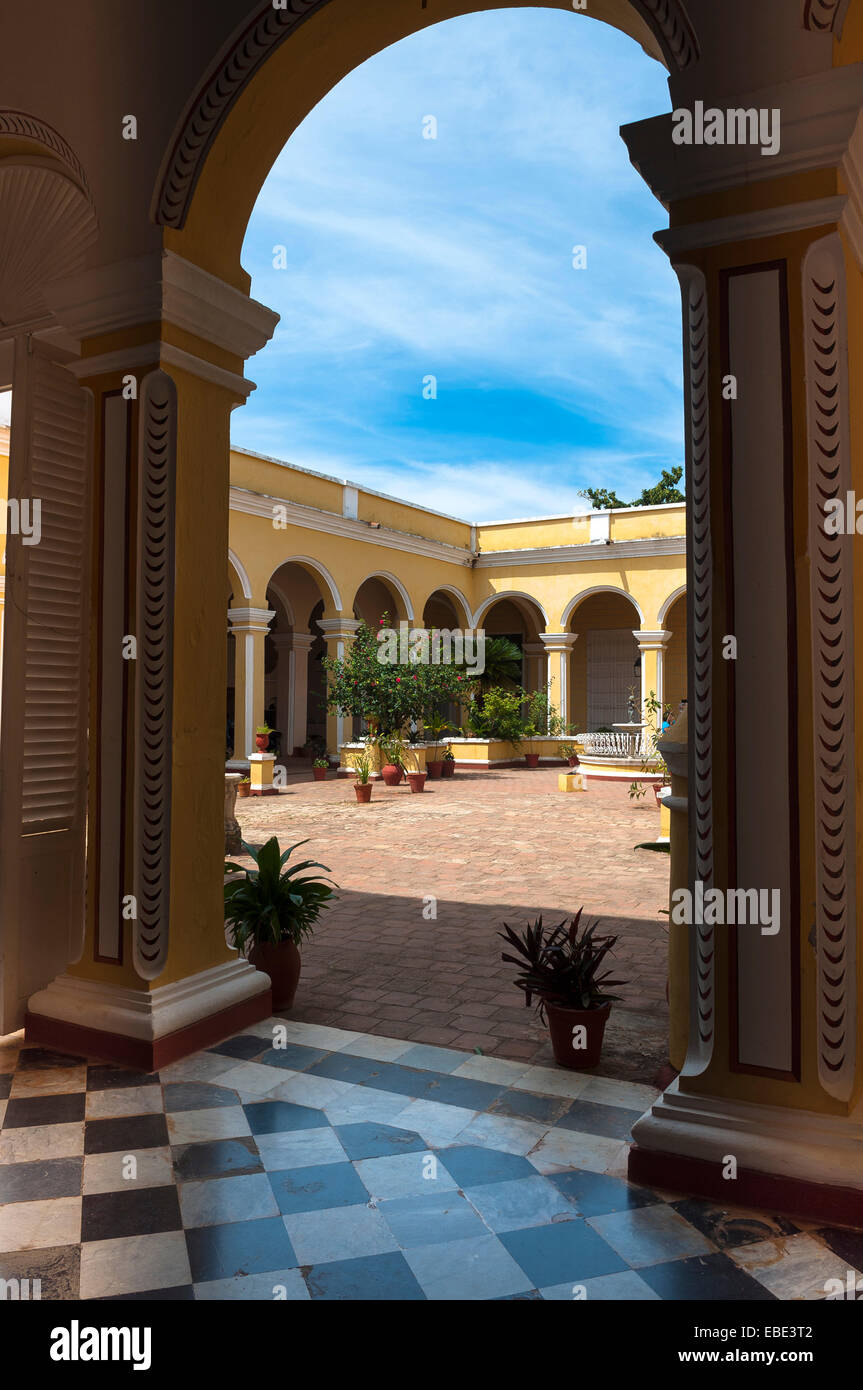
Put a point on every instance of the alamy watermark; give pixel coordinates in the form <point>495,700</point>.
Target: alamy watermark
<point>735,126</point>
<point>710,907</point>
<point>437,646</point>
<point>22,518</point>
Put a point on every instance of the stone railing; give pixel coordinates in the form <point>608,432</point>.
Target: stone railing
<point>615,745</point>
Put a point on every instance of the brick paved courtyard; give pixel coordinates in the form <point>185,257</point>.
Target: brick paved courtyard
<point>489,847</point>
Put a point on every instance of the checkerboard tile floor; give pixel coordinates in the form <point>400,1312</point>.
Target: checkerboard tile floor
<point>337,1165</point>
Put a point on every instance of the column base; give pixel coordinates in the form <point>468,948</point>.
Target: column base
<point>792,1162</point>
<point>147,1029</point>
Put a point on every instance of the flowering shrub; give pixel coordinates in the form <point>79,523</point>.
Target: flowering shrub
<point>389,696</point>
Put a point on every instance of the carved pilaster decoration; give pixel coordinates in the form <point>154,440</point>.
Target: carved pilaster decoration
<point>249,49</point>
<point>824,16</point>
<point>154,670</point>
<point>23,126</point>
<point>832,601</point>
<point>695,318</point>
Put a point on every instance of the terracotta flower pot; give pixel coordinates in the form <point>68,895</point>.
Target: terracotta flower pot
<point>448,768</point>
<point>363,791</point>
<point>391,774</point>
<point>282,963</point>
<point>320,774</point>
<point>573,760</point>
<point>243,788</point>
<point>262,742</point>
<point>531,759</point>
<point>563,1026</point>
<point>417,781</point>
<point>435,769</point>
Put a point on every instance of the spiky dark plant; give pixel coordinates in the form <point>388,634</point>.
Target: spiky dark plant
<point>561,965</point>
<point>271,903</point>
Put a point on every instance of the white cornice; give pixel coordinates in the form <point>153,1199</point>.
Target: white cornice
<point>297,514</point>
<point>587,554</point>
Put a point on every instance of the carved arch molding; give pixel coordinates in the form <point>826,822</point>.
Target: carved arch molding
<point>266,31</point>
<point>825,16</point>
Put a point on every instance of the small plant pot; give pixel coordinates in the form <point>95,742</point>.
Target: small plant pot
<point>435,769</point>
<point>282,963</point>
<point>391,774</point>
<point>243,788</point>
<point>363,792</point>
<point>320,774</point>
<point>447,768</point>
<point>417,781</point>
<point>531,759</point>
<point>573,760</point>
<point>262,742</point>
<point>659,792</point>
<point>564,1027</point>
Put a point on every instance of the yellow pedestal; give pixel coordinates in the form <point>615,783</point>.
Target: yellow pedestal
<point>571,782</point>
<point>261,774</point>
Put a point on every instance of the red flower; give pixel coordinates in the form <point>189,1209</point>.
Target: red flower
<point>398,680</point>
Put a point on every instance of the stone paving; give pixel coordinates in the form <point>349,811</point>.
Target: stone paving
<point>488,847</point>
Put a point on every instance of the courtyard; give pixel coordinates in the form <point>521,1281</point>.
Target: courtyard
<point>485,848</point>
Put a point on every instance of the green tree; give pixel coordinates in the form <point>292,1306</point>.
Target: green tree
<point>502,663</point>
<point>666,490</point>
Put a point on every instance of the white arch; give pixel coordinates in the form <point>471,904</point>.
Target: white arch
<point>283,600</point>
<point>598,589</point>
<point>456,594</point>
<point>397,585</point>
<point>319,569</point>
<point>240,572</point>
<point>666,607</point>
<point>507,594</point>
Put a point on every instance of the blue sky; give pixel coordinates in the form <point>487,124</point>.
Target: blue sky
<point>409,257</point>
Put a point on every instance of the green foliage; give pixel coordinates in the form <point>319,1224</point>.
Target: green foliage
<point>393,750</point>
<point>498,715</point>
<point>502,663</point>
<point>321,762</point>
<point>363,767</point>
<point>654,762</point>
<point>389,696</point>
<point>271,903</point>
<point>561,966</point>
<point>666,490</point>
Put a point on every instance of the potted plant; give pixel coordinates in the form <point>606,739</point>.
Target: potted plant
<point>271,909</point>
<point>262,737</point>
<point>244,786</point>
<point>362,785</point>
<point>416,778</point>
<point>435,726</point>
<point>562,969</point>
<point>392,760</point>
<point>529,733</point>
<point>319,769</point>
<point>448,763</point>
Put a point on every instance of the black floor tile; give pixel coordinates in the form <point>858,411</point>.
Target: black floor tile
<point>127,1134</point>
<point>6,1079</point>
<point>46,1059</point>
<point>293,1057</point>
<point>39,1181</point>
<point>343,1067</point>
<point>241,1247</point>
<point>217,1158</point>
<point>32,1111</point>
<point>523,1105</point>
<point>729,1230</point>
<point>105,1078</point>
<point>197,1095</point>
<point>146,1212</point>
<point>245,1046</point>
<point>596,1194</point>
<point>708,1278</point>
<point>588,1117</point>
<point>848,1245</point>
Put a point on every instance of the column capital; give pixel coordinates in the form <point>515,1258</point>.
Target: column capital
<point>293,641</point>
<point>339,629</point>
<point>558,641</point>
<point>244,620</point>
<point>655,641</point>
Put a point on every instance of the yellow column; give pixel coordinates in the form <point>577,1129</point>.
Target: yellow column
<point>249,626</point>
<point>558,646</point>
<point>651,646</point>
<point>339,633</point>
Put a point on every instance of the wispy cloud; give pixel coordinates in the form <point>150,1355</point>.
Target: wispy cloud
<point>452,258</point>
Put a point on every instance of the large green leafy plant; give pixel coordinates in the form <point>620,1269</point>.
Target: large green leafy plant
<point>388,696</point>
<point>498,716</point>
<point>271,903</point>
<point>562,966</point>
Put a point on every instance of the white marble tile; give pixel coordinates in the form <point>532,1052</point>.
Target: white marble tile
<point>365,1103</point>
<point>316,1091</point>
<point>196,1126</point>
<point>375,1048</point>
<point>436,1124</point>
<point>795,1268</point>
<point>35,1225</point>
<point>628,1094</point>
<point>316,1035</point>
<point>45,1141</point>
<point>652,1235</point>
<point>106,1172</point>
<point>254,1078</point>
<point>134,1264</point>
<point>54,1081</point>
<point>551,1081</point>
<point>563,1148</point>
<point>202,1066</point>
<point>218,1201</point>
<point>301,1148</point>
<point>126,1100</point>
<point>501,1132</point>
<point>499,1071</point>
